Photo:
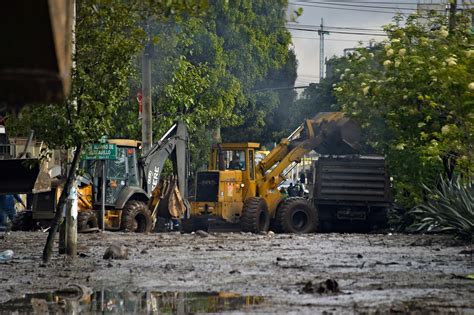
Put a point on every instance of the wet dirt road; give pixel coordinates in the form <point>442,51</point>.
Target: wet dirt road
<point>376,273</point>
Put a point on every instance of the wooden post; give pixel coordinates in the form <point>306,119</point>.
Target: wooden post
<point>48,248</point>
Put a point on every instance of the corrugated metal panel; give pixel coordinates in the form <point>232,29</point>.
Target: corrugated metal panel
<point>342,179</point>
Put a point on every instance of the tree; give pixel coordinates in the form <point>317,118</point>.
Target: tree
<point>206,69</point>
<point>108,37</point>
<point>414,99</point>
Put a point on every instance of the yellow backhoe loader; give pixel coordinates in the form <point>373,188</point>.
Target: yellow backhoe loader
<point>135,193</point>
<point>236,191</point>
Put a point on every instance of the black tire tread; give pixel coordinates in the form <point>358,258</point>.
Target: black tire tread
<point>23,221</point>
<point>282,225</point>
<point>250,215</point>
<point>130,210</point>
<point>87,219</point>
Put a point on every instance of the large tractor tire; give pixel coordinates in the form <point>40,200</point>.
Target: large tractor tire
<point>255,217</point>
<point>23,221</point>
<point>87,220</point>
<point>295,215</point>
<point>136,217</point>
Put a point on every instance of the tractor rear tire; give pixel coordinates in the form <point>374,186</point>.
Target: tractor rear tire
<point>87,220</point>
<point>136,217</point>
<point>295,215</point>
<point>23,221</point>
<point>255,217</point>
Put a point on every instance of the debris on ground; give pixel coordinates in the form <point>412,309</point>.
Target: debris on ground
<point>6,255</point>
<point>466,277</point>
<point>116,252</point>
<point>74,291</point>
<point>202,233</point>
<point>325,287</point>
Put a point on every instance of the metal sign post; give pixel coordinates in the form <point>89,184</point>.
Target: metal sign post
<point>102,206</point>
<point>102,151</point>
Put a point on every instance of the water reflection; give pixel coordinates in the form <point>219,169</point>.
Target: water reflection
<point>111,302</point>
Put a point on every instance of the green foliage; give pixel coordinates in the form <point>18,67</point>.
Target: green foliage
<point>205,69</point>
<point>449,208</point>
<point>414,98</point>
<point>107,38</point>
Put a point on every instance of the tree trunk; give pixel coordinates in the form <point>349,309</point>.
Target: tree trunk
<point>216,134</point>
<point>48,248</point>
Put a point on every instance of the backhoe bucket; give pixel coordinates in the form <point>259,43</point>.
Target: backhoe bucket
<point>23,176</point>
<point>167,202</point>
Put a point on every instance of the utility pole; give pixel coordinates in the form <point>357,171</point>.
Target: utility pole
<point>147,136</point>
<point>71,203</point>
<point>321,33</point>
<point>452,15</point>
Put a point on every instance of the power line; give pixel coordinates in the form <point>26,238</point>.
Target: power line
<point>362,6</point>
<point>347,9</point>
<point>368,2</point>
<point>335,32</point>
<point>333,39</point>
<point>337,27</point>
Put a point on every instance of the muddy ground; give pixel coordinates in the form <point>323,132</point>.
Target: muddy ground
<point>379,273</point>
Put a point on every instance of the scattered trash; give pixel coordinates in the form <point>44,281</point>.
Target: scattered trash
<point>281,259</point>
<point>74,291</point>
<point>6,255</point>
<point>144,251</point>
<point>202,233</point>
<point>83,255</point>
<point>116,252</point>
<point>360,256</point>
<point>465,277</point>
<point>324,287</point>
<point>234,271</point>
<point>386,264</point>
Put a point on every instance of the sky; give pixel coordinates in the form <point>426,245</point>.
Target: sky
<point>339,16</point>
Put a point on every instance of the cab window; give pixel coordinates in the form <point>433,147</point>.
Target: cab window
<point>234,159</point>
<point>251,165</point>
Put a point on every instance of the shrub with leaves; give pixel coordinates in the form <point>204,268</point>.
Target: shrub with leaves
<point>449,208</point>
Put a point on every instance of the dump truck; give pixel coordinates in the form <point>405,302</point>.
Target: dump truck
<point>237,192</point>
<point>350,192</point>
<point>130,204</point>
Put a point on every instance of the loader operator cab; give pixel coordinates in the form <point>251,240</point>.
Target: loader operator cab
<point>230,177</point>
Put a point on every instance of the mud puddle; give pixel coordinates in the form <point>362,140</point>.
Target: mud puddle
<point>129,302</point>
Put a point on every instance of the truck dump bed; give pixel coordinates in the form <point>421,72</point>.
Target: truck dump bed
<point>351,180</point>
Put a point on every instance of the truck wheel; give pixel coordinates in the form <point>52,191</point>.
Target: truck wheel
<point>23,221</point>
<point>255,217</point>
<point>87,220</point>
<point>136,217</point>
<point>295,215</point>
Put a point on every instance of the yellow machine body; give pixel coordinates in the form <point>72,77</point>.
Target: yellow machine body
<point>237,183</point>
<point>229,200</point>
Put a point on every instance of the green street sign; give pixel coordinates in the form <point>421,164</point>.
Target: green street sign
<point>101,151</point>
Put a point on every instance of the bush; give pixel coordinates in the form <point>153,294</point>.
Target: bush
<point>448,208</point>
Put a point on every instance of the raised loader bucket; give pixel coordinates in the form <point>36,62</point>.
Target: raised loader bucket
<point>342,134</point>
<point>22,176</point>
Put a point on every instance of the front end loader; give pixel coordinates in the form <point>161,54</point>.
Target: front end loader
<point>238,192</point>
